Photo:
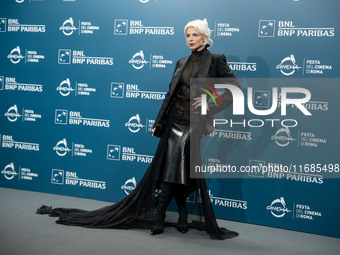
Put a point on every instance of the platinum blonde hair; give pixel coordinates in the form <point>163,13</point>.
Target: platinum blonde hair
<point>202,27</point>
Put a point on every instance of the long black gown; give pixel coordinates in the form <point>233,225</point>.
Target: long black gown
<point>138,208</point>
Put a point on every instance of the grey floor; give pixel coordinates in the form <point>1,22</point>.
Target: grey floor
<point>24,232</point>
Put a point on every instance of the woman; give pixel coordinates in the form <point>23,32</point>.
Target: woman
<point>168,175</point>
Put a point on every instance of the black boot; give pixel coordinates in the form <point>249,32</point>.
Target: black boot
<point>182,223</point>
<point>164,201</point>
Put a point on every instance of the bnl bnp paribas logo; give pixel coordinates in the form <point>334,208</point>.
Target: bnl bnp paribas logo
<point>2,81</point>
<point>117,89</point>
<point>117,152</point>
<point>68,56</point>
<point>57,176</point>
<point>266,28</point>
<point>287,28</point>
<point>15,26</point>
<point>113,152</point>
<point>3,24</point>
<point>136,27</point>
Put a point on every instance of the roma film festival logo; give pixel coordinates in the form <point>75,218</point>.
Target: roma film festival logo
<point>129,185</point>
<point>15,55</point>
<point>12,113</point>
<point>278,208</point>
<point>204,96</point>
<point>138,60</point>
<point>84,27</point>
<point>144,1</point>
<point>9,171</point>
<point>266,28</point>
<point>68,27</point>
<point>288,66</point>
<point>134,124</point>
<point>65,88</point>
<point>283,137</point>
<point>61,148</point>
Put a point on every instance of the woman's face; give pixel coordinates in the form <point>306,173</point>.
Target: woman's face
<point>194,39</point>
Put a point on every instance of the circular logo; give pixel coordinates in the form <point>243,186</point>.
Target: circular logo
<point>15,55</point>
<point>134,124</point>
<point>9,172</point>
<point>282,137</point>
<point>61,148</point>
<point>65,88</point>
<point>138,60</point>
<point>129,185</point>
<point>68,27</point>
<point>288,66</point>
<point>278,208</point>
<point>12,113</point>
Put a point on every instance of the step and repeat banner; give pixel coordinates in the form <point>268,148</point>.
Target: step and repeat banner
<point>81,83</point>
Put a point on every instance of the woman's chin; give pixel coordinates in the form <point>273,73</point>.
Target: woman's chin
<point>194,48</point>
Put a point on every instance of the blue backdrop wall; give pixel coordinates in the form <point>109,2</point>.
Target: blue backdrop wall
<point>81,83</point>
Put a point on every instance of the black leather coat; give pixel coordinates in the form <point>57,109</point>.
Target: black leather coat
<point>212,66</point>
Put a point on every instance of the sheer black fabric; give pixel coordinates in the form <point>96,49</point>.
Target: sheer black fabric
<point>182,100</point>
<point>138,208</point>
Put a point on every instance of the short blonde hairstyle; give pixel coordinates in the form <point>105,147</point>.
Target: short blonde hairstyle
<point>202,27</point>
